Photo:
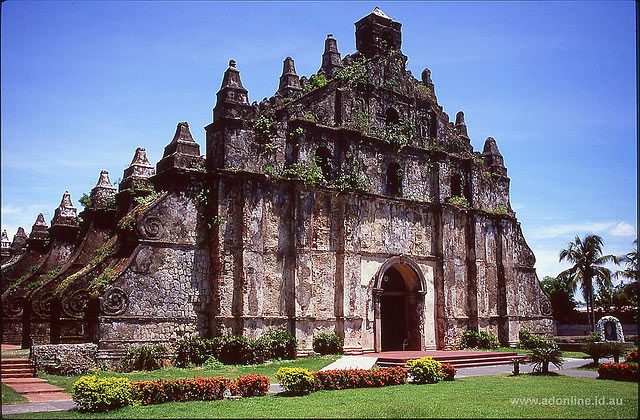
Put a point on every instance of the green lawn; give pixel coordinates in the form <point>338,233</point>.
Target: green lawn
<point>478,397</point>
<point>229,371</point>
<point>9,396</point>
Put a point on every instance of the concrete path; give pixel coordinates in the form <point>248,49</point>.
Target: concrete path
<point>569,368</point>
<point>37,407</point>
<point>352,362</point>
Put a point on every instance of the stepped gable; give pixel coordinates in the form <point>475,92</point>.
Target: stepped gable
<point>103,194</point>
<point>181,154</point>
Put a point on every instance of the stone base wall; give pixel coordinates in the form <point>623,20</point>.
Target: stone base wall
<point>65,359</point>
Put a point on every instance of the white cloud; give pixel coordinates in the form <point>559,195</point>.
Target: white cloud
<point>610,227</point>
<point>623,229</point>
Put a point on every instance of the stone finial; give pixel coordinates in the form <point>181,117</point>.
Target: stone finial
<point>493,157</point>
<point>289,86</point>
<point>39,230</point>
<point>461,125</point>
<point>5,243</point>
<point>19,240</point>
<point>232,99</point>
<point>377,11</point>
<point>65,214</point>
<point>102,192</point>
<point>182,153</point>
<point>331,59</point>
<point>377,34</point>
<point>139,170</point>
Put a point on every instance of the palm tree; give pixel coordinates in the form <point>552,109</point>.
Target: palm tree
<point>631,264</point>
<point>587,260</point>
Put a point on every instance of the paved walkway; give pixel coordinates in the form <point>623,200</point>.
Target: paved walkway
<point>352,362</point>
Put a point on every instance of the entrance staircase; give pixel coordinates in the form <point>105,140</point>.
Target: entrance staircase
<point>17,368</point>
<point>458,359</point>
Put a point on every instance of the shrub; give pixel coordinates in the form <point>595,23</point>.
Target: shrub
<point>596,350</point>
<point>194,389</point>
<point>478,340</point>
<point>93,393</point>
<point>213,363</point>
<point>448,371</point>
<point>327,343</point>
<point>252,385</point>
<point>359,378</point>
<point>425,370</point>
<point>236,350</point>
<point>278,344</point>
<point>190,350</point>
<point>542,356</point>
<point>529,340</point>
<point>616,350</point>
<point>143,357</point>
<point>618,371</point>
<point>632,356</point>
<point>296,381</point>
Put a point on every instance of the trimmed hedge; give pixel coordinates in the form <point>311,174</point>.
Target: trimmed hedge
<point>195,389</point>
<point>94,394</point>
<point>359,378</point>
<point>632,356</point>
<point>252,385</point>
<point>618,371</point>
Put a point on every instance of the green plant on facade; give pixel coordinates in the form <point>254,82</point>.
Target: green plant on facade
<point>501,210</point>
<point>360,120</point>
<point>398,134</point>
<point>40,280</point>
<point>111,203</point>
<point>297,133</point>
<point>310,116</point>
<point>271,172</point>
<point>215,221</point>
<point>354,75</point>
<point>202,197</point>
<point>351,177</point>
<point>459,201</point>
<point>146,200</point>
<point>265,133</point>
<point>85,200</point>
<point>424,92</point>
<point>98,283</point>
<point>315,82</point>
<point>308,172</point>
<point>433,145</point>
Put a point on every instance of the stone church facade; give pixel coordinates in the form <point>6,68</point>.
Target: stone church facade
<point>347,202</point>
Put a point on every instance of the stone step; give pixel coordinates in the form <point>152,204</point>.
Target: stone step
<point>17,370</point>
<point>49,396</point>
<point>16,375</point>
<point>29,380</point>
<point>4,362</point>
<point>16,366</point>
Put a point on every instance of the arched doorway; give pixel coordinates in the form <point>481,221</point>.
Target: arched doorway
<point>399,305</point>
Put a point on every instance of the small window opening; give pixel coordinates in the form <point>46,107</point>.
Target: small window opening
<point>394,179</point>
<point>325,162</point>
<point>392,117</point>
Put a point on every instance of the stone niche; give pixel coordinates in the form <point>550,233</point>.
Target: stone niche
<point>610,329</point>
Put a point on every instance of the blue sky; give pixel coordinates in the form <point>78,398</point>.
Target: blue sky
<point>85,83</point>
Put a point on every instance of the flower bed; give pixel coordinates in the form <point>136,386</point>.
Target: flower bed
<point>618,371</point>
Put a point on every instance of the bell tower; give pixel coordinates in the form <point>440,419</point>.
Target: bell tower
<point>377,34</point>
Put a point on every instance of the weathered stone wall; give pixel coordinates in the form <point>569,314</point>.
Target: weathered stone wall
<point>65,359</point>
<point>163,291</point>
